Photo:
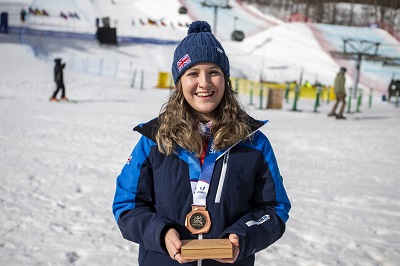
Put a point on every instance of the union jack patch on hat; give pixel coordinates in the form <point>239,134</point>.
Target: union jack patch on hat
<point>183,61</point>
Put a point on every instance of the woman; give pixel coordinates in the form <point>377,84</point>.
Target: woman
<point>202,151</point>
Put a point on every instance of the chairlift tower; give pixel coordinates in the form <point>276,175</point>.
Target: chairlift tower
<point>361,49</point>
<point>216,4</point>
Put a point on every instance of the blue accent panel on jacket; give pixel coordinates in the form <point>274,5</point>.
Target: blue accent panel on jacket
<point>124,198</point>
<point>263,144</point>
<point>193,163</point>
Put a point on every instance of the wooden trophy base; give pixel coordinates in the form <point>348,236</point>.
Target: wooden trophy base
<point>198,249</point>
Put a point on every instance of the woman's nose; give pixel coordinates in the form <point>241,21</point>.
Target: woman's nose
<point>204,80</point>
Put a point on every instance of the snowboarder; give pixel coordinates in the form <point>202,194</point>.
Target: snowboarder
<point>59,79</point>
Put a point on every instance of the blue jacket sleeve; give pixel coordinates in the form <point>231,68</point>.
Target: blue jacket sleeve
<point>133,201</point>
<point>265,223</point>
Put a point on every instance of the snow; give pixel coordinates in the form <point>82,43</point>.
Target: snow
<point>59,161</point>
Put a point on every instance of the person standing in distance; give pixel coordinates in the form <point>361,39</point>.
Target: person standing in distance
<point>22,15</point>
<point>340,93</point>
<point>59,79</point>
<point>203,152</point>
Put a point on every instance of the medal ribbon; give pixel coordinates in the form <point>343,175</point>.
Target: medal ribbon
<point>203,185</point>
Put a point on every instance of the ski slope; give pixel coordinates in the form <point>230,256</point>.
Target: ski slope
<point>274,50</point>
<point>373,74</point>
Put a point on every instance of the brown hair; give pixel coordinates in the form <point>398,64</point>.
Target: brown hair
<point>179,124</point>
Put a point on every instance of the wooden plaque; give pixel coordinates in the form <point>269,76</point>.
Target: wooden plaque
<point>197,249</point>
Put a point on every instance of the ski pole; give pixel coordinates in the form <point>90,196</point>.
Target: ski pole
<point>359,101</point>
<point>370,99</point>
<point>251,93</point>
<point>261,94</point>
<point>349,103</point>
<point>287,92</point>
<point>317,98</point>
<point>142,79</point>
<point>296,96</point>
<point>133,79</point>
<point>328,90</point>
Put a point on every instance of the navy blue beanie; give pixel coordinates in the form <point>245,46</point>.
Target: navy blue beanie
<point>199,46</point>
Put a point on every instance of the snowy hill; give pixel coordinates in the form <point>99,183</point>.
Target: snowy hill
<point>274,50</point>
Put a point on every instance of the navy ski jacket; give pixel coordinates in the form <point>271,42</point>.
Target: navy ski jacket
<point>246,196</point>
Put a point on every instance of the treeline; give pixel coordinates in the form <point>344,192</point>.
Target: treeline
<point>351,13</point>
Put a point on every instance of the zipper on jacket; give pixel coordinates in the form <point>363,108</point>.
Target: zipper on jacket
<point>222,177</point>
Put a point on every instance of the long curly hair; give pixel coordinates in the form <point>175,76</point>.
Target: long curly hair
<point>179,124</point>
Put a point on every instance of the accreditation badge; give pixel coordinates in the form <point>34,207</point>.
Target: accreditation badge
<point>198,220</point>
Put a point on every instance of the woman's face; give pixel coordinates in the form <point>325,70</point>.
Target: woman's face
<point>203,87</point>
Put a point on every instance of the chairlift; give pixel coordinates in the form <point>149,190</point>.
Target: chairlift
<point>182,10</point>
<point>237,36</point>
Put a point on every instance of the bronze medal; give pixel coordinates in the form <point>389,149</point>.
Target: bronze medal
<point>198,220</point>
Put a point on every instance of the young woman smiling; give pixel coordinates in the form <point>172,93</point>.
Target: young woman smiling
<point>203,159</point>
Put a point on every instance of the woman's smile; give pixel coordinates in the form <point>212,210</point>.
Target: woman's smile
<point>205,94</point>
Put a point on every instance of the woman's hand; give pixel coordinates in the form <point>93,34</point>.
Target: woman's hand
<point>173,244</point>
<point>235,242</point>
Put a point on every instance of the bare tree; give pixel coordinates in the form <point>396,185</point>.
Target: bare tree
<point>334,12</point>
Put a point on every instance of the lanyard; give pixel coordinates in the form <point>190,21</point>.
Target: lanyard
<point>203,185</point>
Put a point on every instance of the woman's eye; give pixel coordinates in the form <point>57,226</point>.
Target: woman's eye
<point>215,72</point>
<point>192,73</point>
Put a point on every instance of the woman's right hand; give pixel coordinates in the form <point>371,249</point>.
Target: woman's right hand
<point>173,244</point>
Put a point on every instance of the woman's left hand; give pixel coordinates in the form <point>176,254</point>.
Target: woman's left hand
<point>173,245</point>
<point>235,242</point>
